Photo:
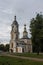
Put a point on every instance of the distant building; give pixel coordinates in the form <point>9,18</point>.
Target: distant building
<point>16,44</point>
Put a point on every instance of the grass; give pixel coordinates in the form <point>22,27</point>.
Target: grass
<point>5,60</point>
<point>33,55</point>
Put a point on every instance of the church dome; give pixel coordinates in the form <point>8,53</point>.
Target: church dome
<point>15,21</point>
<point>25,33</point>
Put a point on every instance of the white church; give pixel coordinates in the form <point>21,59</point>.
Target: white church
<point>19,45</point>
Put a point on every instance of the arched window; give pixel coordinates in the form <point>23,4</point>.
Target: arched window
<point>12,35</point>
<point>12,45</point>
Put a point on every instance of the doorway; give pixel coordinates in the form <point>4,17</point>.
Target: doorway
<point>11,51</point>
<point>22,49</point>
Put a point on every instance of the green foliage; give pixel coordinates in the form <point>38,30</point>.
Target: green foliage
<point>36,29</point>
<point>4,60</point>
<point>4,48</point>
<point>32,55</point>
<point>7,47</point>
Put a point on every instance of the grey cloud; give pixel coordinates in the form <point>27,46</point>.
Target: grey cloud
<point>23,9</point>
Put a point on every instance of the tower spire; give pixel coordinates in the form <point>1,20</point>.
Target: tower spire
<point>15,21</point>
<point>24,27</point>
<point>15,18</point>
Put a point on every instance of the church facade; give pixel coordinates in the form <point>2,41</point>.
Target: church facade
<point>19,45</point>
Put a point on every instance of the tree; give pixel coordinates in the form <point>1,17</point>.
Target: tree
<point>36,29</point>
<point>2,47</point>
<point>7,47</point>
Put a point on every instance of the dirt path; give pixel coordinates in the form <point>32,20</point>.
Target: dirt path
<point>29,58</point>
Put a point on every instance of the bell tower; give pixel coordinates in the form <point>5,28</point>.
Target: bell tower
<point>14,31</point>
<point>14,35</point>
<point>25,33</point>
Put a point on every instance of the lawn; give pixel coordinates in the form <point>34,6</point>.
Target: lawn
<point>5,60</point>
<point>33,55</point>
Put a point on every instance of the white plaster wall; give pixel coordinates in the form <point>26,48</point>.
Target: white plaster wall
<point>19,49</point>
<point>14,46</point>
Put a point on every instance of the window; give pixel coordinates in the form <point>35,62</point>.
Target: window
<point>12,45</point>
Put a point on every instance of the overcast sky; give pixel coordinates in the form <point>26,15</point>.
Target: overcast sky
<point>25,10</point>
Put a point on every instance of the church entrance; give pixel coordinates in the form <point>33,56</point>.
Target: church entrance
<point>22,49</point>
<point>11,51</point>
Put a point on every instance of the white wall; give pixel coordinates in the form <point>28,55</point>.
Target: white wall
<point>19,49</point>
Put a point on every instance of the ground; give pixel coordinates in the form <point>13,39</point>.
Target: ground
<point>21,59</point>
<point>33,55</point>
<point>5,60</point>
